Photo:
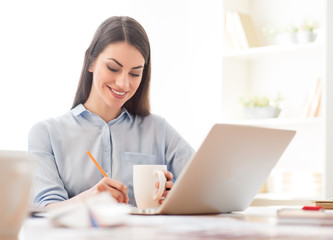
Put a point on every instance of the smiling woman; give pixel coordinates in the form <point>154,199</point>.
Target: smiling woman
<point>121,52</point>
<point>115,83</point>
<point>111,118</point>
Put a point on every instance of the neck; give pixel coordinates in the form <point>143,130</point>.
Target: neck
<point>107,113</point>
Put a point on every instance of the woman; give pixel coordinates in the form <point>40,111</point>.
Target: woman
<point>111,118</point>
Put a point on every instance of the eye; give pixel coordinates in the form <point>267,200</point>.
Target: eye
<point>111,69</point>
<point>134,74</point>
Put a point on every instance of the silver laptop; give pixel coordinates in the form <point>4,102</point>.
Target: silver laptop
<point>226,172</point>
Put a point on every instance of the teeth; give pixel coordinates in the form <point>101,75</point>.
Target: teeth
<point>118,93</point>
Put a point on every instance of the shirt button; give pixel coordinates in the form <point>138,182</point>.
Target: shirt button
<point>106,149</point>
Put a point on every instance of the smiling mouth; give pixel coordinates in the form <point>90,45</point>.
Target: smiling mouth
<point>118,93</point>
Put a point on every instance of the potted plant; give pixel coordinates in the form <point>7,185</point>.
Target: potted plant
<point>287,35</point>
<point>261,106</point>
<point>306,32</point>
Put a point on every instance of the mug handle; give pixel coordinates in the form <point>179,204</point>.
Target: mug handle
<point>161,180</point>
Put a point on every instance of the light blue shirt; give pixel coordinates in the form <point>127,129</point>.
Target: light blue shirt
<point>63,169</point>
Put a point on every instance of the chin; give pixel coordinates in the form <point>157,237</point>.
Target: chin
<point>116,105</point>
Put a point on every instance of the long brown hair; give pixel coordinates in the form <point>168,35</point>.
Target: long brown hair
<point>118,29</point>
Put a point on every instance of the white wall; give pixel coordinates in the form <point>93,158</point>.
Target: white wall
<point>42,45</point>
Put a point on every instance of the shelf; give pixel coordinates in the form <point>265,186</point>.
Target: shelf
<point>292,50</point>
<point>279,121</point>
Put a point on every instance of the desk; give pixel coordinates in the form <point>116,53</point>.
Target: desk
<point>254,223</point>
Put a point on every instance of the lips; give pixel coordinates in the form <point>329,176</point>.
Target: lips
<point>117,94</point>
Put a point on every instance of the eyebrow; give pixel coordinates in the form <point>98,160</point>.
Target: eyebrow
<point>118,63</point>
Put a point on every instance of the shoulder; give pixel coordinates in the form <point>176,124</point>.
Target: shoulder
<point>154,118</point>
<point>154,123</point>
<point>48,124</point>
<point>150,120</point>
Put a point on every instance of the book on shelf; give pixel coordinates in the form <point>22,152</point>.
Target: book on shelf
<point>326,204</point>
<point>230,35</point>
<point>314,98</point>
<point>240,31</point>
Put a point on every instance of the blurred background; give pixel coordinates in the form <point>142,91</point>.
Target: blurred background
<point>257,62</point>
<point>42,46</point>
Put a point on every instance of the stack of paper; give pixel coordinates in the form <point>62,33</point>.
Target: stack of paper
<point>308,217</point>
<point>101,210</point>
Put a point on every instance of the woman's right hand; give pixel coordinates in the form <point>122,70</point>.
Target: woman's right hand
<point>117,189</point>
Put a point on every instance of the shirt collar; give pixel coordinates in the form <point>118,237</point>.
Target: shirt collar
<point>80,109</point>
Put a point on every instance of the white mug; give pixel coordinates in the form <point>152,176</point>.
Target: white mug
<point>144,179</point>
<point>15,185</point>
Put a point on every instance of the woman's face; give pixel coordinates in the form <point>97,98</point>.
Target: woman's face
<point>117,73</point>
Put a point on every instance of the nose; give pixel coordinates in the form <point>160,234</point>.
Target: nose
<point>122,81</point>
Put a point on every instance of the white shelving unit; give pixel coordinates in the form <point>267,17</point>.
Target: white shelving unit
<point>277,51</point>
<point>290,71</point>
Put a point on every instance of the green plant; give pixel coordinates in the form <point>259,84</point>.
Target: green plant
<point>270,31</point>
<point>260,101</point>
<point>308,25</point>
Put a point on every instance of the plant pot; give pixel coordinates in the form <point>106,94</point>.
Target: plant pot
<point>286,38</point>
<point>306,36</point>
<point>261,112</point>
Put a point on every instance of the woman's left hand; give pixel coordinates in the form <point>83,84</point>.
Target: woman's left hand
<point>168,185</point>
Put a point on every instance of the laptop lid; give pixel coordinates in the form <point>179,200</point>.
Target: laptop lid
<point>227,171</point>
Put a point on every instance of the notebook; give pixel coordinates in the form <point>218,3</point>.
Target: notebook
<point>227,171</point>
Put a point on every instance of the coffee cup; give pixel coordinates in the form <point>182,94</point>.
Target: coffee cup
<point>145,178</point>
<point>15,185</point>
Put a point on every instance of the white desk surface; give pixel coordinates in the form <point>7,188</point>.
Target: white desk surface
<point>254,223</point>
